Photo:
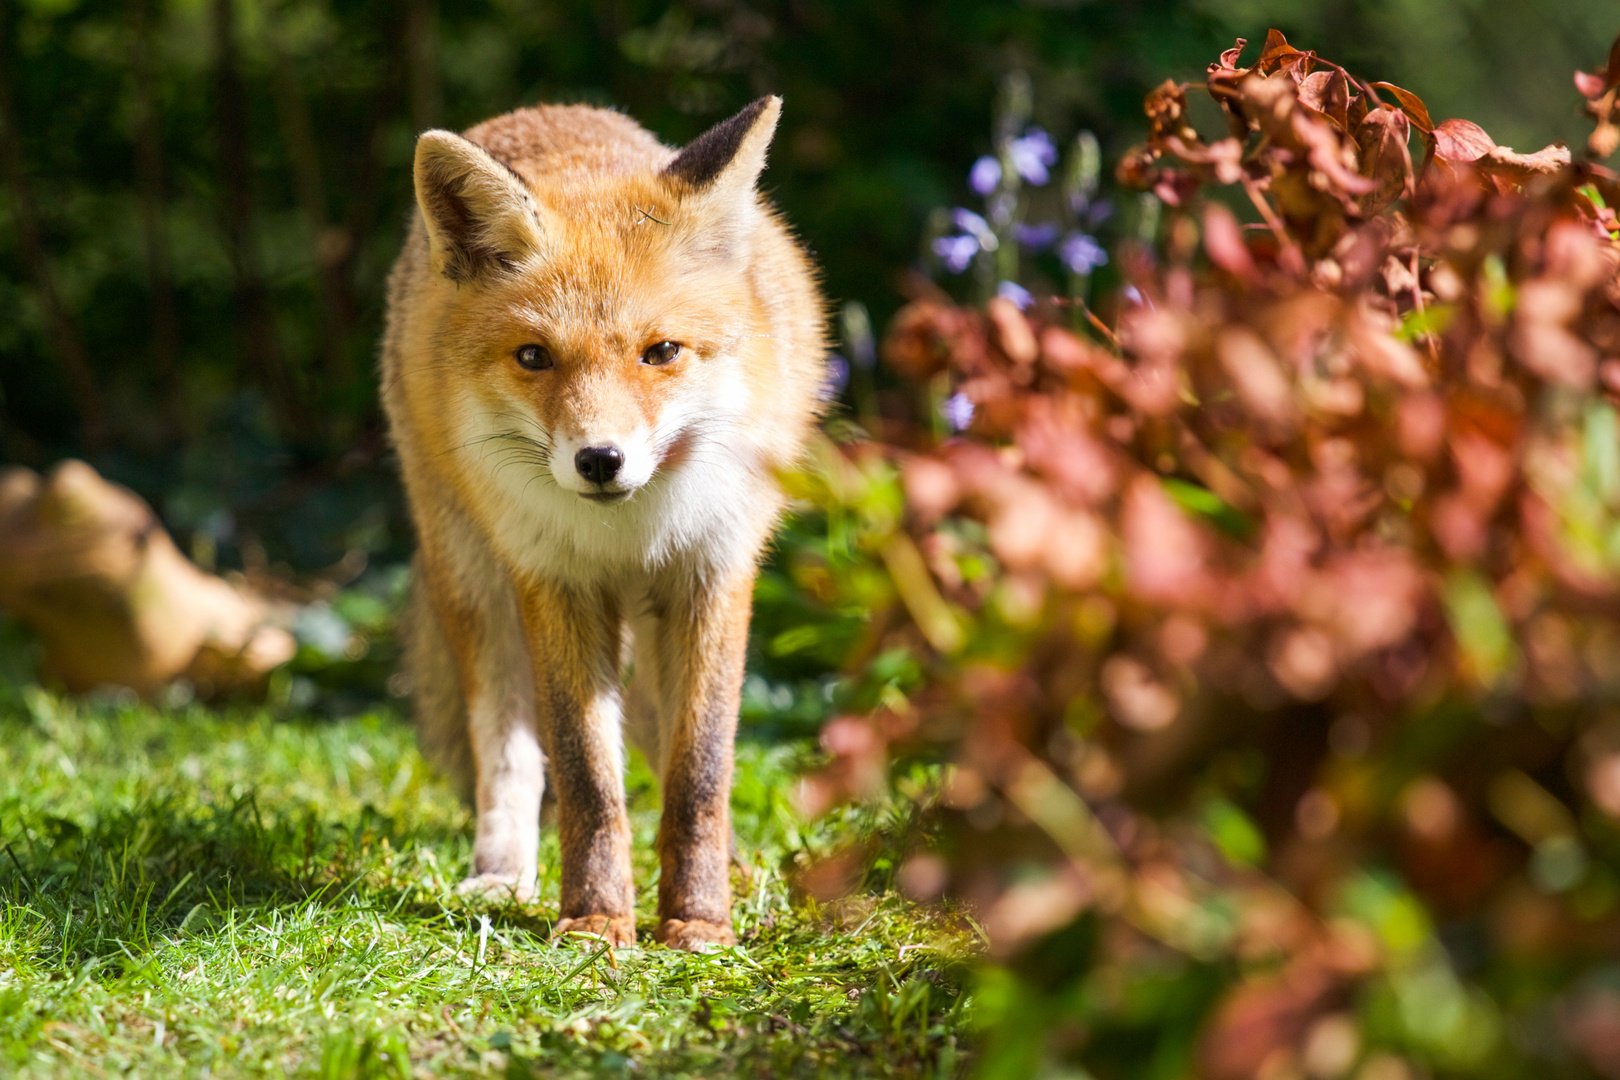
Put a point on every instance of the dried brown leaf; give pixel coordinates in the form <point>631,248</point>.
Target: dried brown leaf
<point>1595,84</point>
<point>1166,109</point>
<point>1229,58</point>
<point>1137,698</point>
<point>1604,140</point>
<point>1410,104</point>
<point>1277,52</point>
<point>1012,331</point>
<point>1385,159</point>
<point>1591,85</point>
<point>1223,158</point>
<point>1328,92</point>
<point>1260,382</point>
<point>1505,164</point>
<point>1223,242</point>
<point>1461,140</point>
<point>1164,551</point>
<point>1271,104</point>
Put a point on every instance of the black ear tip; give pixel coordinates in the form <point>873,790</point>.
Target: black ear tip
<point>706,156</point>
<point>750,112</point>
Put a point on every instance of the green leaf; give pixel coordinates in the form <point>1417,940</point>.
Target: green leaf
<point>1479,626</point>
<point>1431,321</point>
<point>1211,507</point>
<point>1381,902</point>
<point>1498,292</point>
<point>1601,451</point>
<point>1238,838</point>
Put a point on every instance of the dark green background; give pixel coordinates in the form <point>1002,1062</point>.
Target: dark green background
<point>214,189</point>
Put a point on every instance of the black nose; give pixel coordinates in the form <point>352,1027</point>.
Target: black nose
<point>599,464</point>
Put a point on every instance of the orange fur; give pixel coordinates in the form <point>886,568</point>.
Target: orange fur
<point>614,477</point>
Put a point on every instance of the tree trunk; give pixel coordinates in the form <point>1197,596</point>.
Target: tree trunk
<point>422,63</point>
<point>255,320</point>
<point>331,243</point>
<point>65,339</point>
<point>149,173</point>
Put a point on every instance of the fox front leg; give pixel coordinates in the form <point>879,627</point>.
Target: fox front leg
<point>511,781</point>
<point>469,634</point>
<point>700,642</point>
<point>574,637</point>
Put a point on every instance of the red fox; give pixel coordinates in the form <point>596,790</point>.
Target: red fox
<point>598,353</point>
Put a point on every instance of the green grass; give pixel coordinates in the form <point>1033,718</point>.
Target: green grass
<point>199,893</point>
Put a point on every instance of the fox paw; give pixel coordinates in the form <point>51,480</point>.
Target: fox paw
<point>619,931</point>
<point>695,935</point>
<point>494,888</point>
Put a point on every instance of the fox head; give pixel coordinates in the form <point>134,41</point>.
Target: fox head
<point>598,308</point>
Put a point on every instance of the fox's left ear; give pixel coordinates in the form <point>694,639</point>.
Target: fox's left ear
<point>715,174</point>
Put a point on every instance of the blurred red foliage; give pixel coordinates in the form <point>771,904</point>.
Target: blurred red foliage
<point>1303,561</point>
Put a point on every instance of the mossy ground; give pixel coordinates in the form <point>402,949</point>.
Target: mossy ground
<point>191,892</point>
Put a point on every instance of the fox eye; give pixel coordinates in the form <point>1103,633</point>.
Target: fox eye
<point>661,353</point>
<point>533,357</point>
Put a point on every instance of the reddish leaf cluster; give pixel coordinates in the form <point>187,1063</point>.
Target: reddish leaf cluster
<point>1599,89</point>
<point>1326,147</point>
<point>1326,476</point>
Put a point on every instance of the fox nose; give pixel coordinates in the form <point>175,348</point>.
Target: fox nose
<point>599,464</point>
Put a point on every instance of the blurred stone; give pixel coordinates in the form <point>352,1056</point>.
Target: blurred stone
<point>87,566</point>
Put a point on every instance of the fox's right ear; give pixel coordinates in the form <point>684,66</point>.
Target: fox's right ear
<point>479,215</point>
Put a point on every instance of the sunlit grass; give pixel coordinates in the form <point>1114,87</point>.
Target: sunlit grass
<point>203,893</point>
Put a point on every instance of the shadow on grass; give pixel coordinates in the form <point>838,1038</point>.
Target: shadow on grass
<point>120,885</point>
<point>91,874</point>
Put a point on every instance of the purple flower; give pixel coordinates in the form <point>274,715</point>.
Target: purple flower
<point>836,378</point>
<point>1081,253</point>
<point>1036,237</point>
<point>1098,212</point>
<point>985,175</point>
<point>976,226</point>
<point>957,411</point>
<point>1033,156</point>
<point>956,252</point>
<point>1011,290</point>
